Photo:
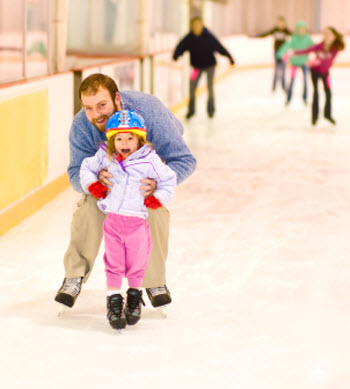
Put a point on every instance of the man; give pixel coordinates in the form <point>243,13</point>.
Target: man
<point>100,98</point>
<point>202,45</point>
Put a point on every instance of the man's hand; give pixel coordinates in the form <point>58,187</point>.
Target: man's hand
<point>149,187</point>
<point>103,176</point>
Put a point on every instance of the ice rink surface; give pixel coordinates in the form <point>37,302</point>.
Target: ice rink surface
<point>258,265</point>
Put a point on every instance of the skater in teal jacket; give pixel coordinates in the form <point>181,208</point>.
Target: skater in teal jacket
<point>299,40</point>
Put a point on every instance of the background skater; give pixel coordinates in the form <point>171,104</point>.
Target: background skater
<point>202,45</point>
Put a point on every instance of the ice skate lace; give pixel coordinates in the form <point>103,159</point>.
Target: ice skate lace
<point>157,291</point>
<point>72,286</point>
<point>134,301</point>
<point>116,305</point>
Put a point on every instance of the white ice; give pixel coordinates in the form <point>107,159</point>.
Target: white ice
<point>258,265</point>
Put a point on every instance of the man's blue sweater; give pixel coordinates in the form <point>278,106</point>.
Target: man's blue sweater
<point>164,131</point>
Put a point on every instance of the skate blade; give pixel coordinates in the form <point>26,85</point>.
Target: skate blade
<point>119,331</point>
<point>163,311</point>
<point>61,309</point>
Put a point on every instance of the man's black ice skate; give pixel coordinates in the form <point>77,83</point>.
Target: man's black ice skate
<point>159,296</point>
<point>115,313</point>
<point>69,291</point>
<point>133,306</point>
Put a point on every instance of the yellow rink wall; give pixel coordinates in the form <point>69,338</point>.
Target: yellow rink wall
<point>35,120</point>
<point>23,139</point>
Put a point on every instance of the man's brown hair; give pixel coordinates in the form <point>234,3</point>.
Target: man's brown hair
<point>92,83</point>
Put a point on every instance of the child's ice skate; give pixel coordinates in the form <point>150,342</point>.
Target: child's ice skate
<point>133,306</point>
<point>115,312</point>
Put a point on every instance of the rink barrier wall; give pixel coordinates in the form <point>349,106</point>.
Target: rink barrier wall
<point>147,74</point>
<point>31,203</point>
<point>26,151</point>
<point>35,127</point>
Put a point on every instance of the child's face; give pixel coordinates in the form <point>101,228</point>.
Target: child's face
<point>302,30</point>
<point>328,36</point>
<point>281,23</point>
<point>126,143</point>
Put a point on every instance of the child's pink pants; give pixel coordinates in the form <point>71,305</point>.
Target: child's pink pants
<point>128,247</point>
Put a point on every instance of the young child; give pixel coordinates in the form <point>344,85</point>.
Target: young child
<point>128,243</point>
<point>299,40</point>
<point>325,52</point>
<point>280,33</point>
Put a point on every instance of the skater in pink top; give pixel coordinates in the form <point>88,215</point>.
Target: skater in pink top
<point>325,53</point>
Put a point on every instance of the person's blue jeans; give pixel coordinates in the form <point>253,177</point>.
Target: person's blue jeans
<point>279,72</point>
<point>193,86</point>
<point>304,68</point>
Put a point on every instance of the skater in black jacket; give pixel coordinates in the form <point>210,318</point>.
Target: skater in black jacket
<point>202,45</point>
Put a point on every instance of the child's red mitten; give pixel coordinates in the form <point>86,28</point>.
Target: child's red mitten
<point>98,190</point>
<point>152,202</point>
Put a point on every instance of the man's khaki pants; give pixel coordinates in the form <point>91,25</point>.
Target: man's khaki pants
<point>86,237</point>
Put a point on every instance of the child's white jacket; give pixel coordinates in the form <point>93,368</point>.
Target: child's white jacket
<point>125,196</point>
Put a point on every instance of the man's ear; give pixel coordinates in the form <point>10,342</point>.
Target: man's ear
<point>118,101</point>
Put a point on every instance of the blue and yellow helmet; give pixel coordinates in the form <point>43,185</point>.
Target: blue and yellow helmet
<point>126,121</point>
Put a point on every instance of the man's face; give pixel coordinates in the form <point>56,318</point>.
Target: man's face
<point>100,107</point>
